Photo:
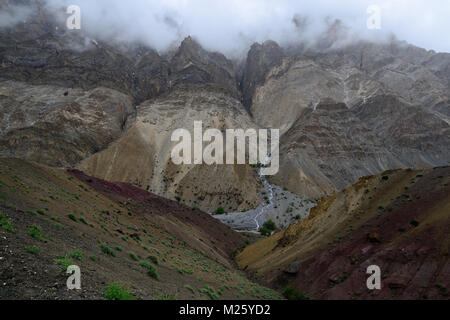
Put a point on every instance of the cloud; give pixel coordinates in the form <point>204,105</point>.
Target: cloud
<point>231,26</point>
<point>12,14</point>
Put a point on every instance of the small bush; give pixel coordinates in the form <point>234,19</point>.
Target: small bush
<point>118,248</point>
<point>115,291</point>
<point>72,217</point>
<point>93,258</point>
<point>154,259</point>
<point>265,232</point>
<point>77,255</point>
<point>219,210</point>
<point>151,270</point>
<point>210,292</point>
<point>35,232</point>
<point>269,225</point>
<point>189,288</point>
<point>107,250</point>
<point>292,294</point>
<point>5,223</point>
<point>133,256</point>
<point>32,249</point>
<point>63,262</point>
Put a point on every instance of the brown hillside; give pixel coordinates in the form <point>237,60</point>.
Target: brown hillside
<point>50,217</point>
<point>399,220</point>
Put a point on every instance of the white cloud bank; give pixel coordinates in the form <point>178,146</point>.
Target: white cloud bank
<point>230,26</point>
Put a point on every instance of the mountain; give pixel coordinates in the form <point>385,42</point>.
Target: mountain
<point>398,220</point>
<point>344,112</point>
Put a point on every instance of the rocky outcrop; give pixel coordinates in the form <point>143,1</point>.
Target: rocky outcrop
<point>60,126</point>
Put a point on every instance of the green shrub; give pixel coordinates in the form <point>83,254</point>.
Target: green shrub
<point>265,232</point>
<point>115,291</point>
<point>269,225</point>
<point>133,256</point>
<point>154,259</point>
<point>77,255</point>
<point>107,250</point>
<point>35,232</point>
<point>63,262</point>
<point>72,217</point>
<point>292,294</point>
<point>219,210</point>
<point>118,248</point>
<point>210,292</point>
<point>151,270</point>
<point>190,288</point>
<point>32,249</point>
<point>5,223</point>
<point>93,258</point>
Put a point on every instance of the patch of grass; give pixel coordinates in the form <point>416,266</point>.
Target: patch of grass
<point>5,223</point>
<point>32,249</point>
<point>189,288</point>
<point>151,269</point>
<point>115,291</point>
<point>154,259</point>
<point>133,256</point>
<point>72,217</point>
<point>107,250</point>
<point>77,255</point>
<point>93,258</point>
<point>63,262</point>
<point>292,294</point>
<point>118,248</point>
<point>35,232</point>
<point>83,221</point>
<point>210,292</point>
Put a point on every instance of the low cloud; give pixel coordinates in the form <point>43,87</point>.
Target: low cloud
<point>13,14</point>
<point>231,26</point>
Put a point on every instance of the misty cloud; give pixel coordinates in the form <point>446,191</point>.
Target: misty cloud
<point>231,26</point>
<point>12,15</point>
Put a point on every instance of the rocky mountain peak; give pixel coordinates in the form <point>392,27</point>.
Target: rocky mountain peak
<point>260,59</point>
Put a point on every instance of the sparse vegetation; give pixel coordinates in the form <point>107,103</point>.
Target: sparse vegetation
<point>154,259</point>
<point>63,262</point>
<point>32,249</point>
<point>107,250</point>
<point>219,211</point>
<point>115,291</point>
<point>77,255</point>
<point>292,294</point>
<point>133,256</point>
<point>5,223</point>
<point>151,269</point>
<point>35,232</point>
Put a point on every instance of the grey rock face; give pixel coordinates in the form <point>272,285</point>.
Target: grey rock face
<point>59,126</point>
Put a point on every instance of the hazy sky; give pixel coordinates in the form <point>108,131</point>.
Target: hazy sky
<point>230,26</point>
